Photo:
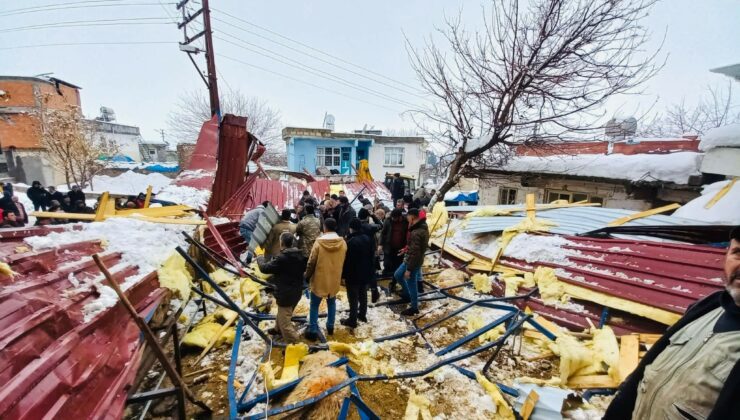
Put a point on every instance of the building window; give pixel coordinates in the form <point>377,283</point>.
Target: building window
<point>152,152</point>
<point>507,195</point>
<point>393,156</point>
<point>328,156</point>
<point>573,197</point>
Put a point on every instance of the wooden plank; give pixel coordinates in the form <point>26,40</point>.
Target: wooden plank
<point>629,351</point>
<point>54,215</point>
<point>640,215</point>
<point>148,197</point>
<point>529,404</point>
<point>156,211</point>
<point>649,338</point>
<point>592,381</point>
<point>531,206</point>
<point>548,325</point>
<point>721,193</point>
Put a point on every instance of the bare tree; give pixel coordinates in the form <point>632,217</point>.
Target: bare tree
<point>715,109</point>
<point>72,146</point>
<point>193,108</point>
<point>537,71</point>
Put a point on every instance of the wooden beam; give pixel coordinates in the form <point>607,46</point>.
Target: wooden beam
<point>54,215</point>
<point>592,381</point>
<point>529,404</point>
<point>148,197</point>
<point>646,213</point>
<point>531,206</point>
<point>721,193</point>
<point>629,352</point>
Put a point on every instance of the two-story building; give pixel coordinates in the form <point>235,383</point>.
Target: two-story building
<point>312,148</point>
<point>22,100</point>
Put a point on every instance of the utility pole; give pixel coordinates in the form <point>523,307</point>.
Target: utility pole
<point>161,133</point>
<point>211,80</point>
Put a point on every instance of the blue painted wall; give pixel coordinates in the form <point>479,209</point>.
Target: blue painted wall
<point>302,152</point>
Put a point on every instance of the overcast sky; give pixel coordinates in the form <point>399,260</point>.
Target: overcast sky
<point>141,82</point>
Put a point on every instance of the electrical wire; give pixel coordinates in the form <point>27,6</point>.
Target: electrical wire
<point>71,6</point>
<point>65,44</point>
<point>314,49</point>
<point>312,70</point>
<point>92,22</point>
<point>303,82</point>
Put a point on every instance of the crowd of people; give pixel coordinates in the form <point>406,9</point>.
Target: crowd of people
<point>326,244</point>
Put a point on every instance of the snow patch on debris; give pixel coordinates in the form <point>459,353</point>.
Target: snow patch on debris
<point>672,167</point>
<point>128,183</point>
<point>540,248</point>
<point>181,194</point>
<point>726,210</point>
<point>725,136</point>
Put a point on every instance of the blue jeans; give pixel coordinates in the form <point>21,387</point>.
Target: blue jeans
<point>410,290</point>
<point>247,235</point>
<point>313,313</point>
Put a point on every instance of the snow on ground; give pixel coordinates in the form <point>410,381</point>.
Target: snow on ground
<point>129,183</point>
<point>185,195</point>
<point>672,167</point>
<point>726,210</point>
<point>725,136</point>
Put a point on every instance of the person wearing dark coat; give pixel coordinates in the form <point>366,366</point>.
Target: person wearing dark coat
<point>408,273</point>
<point>393,240</point>
<point>398,188</point>
<point>76,194</point>
<point>38,196</point>
<point>53,194</point>
<point>287,269</point>
<point>370,227</point>
<point>7,204</point>
<point>357,272</point>
<point>345,213</point>
<point>693,370</point>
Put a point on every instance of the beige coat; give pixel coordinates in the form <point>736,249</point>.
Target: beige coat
<point>272,243</point>
<point>325,263</point>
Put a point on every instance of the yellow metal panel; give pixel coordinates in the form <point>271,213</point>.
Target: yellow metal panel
<point>646,213</point>
<point>721,193</point>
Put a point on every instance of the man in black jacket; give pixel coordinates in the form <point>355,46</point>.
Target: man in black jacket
<point>287,269</point>
<point>75,194</point>
<point>38,196</point>
<point>357,272</point>
<point>693,371</point>
<point>370,227</point>
<point>398,188</point>
<point>345,213</point>
<point>408,274</point>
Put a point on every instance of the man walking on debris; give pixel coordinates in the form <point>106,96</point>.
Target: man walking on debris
<point>324,273</point>
<point>287,270</point>
<point>371,226</point>
<point>693,371</point>
<point>272,243</point>
<point>358,272</point>
<point>307,230</point>
<point>409,273</point>
<point>393,240</point>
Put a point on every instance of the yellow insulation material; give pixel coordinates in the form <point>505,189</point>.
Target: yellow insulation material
<point>606,349</point>
<point>475,322</point>
<point>222,277</point>
<point>551,289</point>
<point>174,275</point>
<point>574,355</point>
<point>438,218</point>
<point>488,211</point>
<point>481,282</point>
<point>418,405</point>
<point>513,283</point>
<point>294,353</point>
<point>503,409</point>
<point>5,270</point>
<point>203,333</point>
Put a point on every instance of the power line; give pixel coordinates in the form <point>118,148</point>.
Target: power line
<point>70,6</point>
<point>305,82</point>
<point>347,69</point>
<point>94,22</point>
<point>314,71</point>
<point>65,44</point>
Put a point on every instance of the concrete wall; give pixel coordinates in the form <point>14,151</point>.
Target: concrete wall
<point>302,152</point>
<point>414,158</point>
<point>184,153</point>
<point>27,166</point>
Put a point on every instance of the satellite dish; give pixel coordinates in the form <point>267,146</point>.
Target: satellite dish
<point>329,122</point>
<point>107,114</point>
<point>621,128</point>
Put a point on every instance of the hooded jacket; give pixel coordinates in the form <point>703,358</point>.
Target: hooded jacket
<point>287,270</point>
<point>417,245</point>
<point>727,405</point>
<point>325,264</point>
<point>359,265</point>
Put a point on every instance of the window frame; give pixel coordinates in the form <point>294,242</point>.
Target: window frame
<point>571,194</point>
<point>394,156</point>
<point>506,191</point>
<point>334,153</point>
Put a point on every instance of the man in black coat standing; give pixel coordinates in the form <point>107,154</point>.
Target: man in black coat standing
<point>357,273</point>
<point>345,213</point>
<point>693,371</point>
<point>38,196</point>
<point>398,189</point>
<point>287,269</point>
<point>76,194</point>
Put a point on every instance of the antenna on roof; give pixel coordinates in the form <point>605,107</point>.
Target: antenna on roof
<point>329,122</point>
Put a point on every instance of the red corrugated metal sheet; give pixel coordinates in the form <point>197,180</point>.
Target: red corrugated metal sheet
<point>52,363</point>
<point>370,190</point>
<point>233,147</point>
<point>203,158</point>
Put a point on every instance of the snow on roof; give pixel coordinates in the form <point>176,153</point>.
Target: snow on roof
<point>130,183</point>
<point>672,167</point>
<point>726,210</point>
<point>725,136</point>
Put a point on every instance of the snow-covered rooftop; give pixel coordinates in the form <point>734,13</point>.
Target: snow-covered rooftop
<point>725,136</point>
<point>726,210</point>
<point>672,167</point>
